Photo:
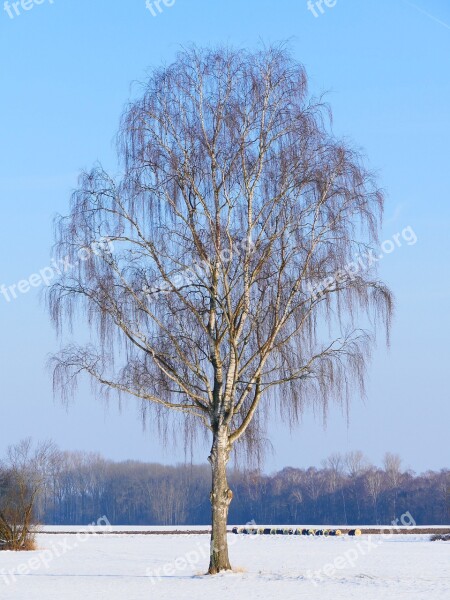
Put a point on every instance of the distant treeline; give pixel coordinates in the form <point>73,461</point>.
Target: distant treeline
<point>346,490</point>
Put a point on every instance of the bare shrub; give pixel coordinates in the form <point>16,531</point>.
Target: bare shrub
<point>22,479</point>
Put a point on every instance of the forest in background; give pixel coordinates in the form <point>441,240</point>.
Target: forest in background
<point>346,489</point>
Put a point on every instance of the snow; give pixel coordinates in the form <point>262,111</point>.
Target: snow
<point>134,567</point>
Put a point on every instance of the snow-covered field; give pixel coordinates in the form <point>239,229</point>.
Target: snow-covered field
<point>135,567</point>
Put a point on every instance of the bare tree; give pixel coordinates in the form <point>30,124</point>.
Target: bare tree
<point>356,463</point>
<point>235,205</point>
<point>392,466</point>
<point>374,485</point>
<point>23,477</point>
<point>334,466</point>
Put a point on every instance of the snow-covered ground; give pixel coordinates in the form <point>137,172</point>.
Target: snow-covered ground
<point>135,567</point>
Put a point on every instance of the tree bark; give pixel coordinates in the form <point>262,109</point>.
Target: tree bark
<point>221,497</point>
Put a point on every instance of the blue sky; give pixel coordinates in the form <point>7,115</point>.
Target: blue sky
<point>66,71</point>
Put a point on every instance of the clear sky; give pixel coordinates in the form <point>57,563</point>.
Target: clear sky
<point>66,71</point>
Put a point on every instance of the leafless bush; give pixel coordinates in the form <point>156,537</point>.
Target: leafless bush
<point>22,478</point>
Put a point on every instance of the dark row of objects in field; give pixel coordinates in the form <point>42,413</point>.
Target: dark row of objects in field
<point>441,533</point>
<point>440,538</point>
<point>293,531</point>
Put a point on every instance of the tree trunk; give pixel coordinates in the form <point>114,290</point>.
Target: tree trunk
<point>221,497</point>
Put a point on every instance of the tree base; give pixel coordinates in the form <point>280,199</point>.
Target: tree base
<point>217,570</point>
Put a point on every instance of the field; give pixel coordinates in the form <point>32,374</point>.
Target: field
<point>135,567</point>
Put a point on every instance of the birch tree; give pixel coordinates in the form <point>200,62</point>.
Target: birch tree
<point>223,291</point>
